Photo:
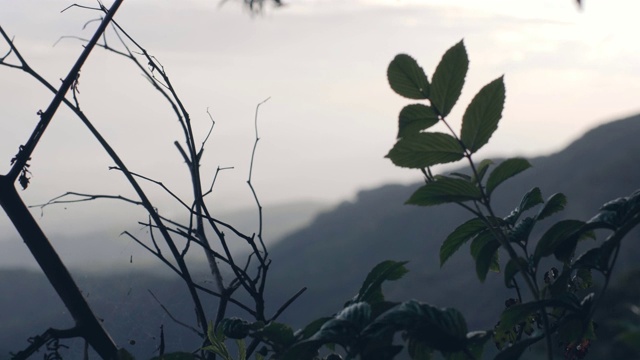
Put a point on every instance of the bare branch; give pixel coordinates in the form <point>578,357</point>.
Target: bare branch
<point>83,198</point>
<point>287,303</point>
<point>156,254</point>
<point>159,183</point>
<point>253,191</point>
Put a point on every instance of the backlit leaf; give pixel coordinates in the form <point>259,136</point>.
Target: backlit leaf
<point>596,258</point>
<point>358,314</point>
<point>459,236</point>
<point>445,190</point>
<point>532,198</point>
<point>555,203</point>
<point>371,290</point>
<point>415,117</point>
<point>407,78</point>
<point>439,329</point>
<point>511,269</point>
<point>277,333</point>
<point>522,230</point>
<point>504,171</point>
<point>481,118</point>
<point>448,78</point>
<point>482,169</point>
<point>311,328</point>
<point>559,234</point>
<point>518,313</point>
<point>486,255</point>
<point>425,149</point>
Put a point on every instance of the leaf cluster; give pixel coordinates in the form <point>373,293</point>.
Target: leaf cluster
<point>559,305</point>
<point>365,328</point>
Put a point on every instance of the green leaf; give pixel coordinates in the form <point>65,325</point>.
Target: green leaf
<point>518,313</point>
<point>583,279</point>
<point>445,190</point>
<point>461,176</point>
<point>532,198</point>
<point>407,78</point>
<point>235,328</point>
<point>479,241</point>
<point>511,269</point>
<point>439,329</point>
<point>277,333</point>
<point>596,258</point>
<point>345,327</point>
<point>618,213</point>
<point>555,203</point>
<point>448,79</point>
<point>522,230</point>
<point>481,118</point>
<point>338,331</point>
<point>486,256</point>
<point>358,314</point>
<point>504,171</point>
<point>216,338</point>
<point>459,236</point>
<point>422,150</point>
<point>242,349</point>
<point>482,170</point>
<point>371,289</point>
<point>311,328</point>
<point>415,117</point>
<point>566,250</point>
<point>558,237</point>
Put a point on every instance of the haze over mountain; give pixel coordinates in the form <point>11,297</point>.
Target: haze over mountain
<point>333,254</point>
<point>104,249</point>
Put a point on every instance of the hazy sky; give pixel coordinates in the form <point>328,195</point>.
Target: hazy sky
<point>331,117</point>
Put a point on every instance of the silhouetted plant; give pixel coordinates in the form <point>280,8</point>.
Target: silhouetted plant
<point>557,302</point>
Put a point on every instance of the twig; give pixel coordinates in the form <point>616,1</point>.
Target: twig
<point>173,318</point>
<point>215,177</point>
<point>284,306</point>
<point>159,183</point>
<point>253,191</point>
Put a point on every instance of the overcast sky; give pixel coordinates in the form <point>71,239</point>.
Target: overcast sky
<point>332,116</point>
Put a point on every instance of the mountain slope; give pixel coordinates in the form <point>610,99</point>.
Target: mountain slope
<point>333,255</point>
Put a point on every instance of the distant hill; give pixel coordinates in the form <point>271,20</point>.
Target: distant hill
<point>104,249</point>
<point>333,254</point>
